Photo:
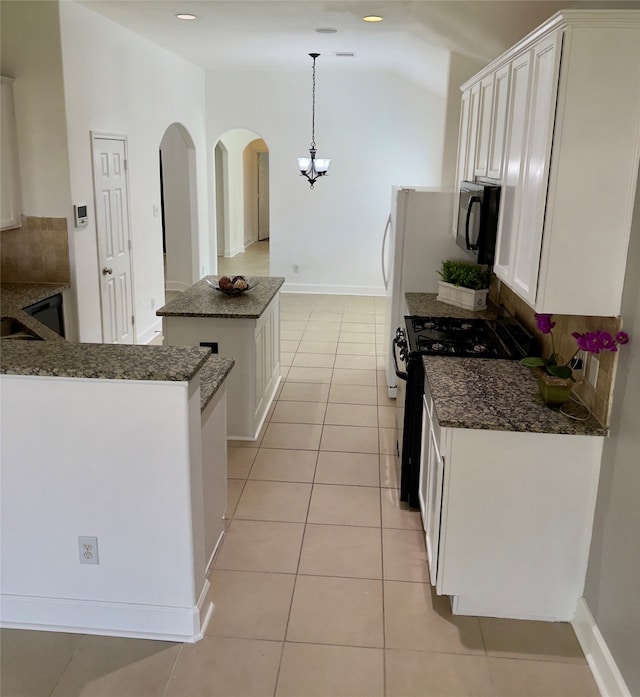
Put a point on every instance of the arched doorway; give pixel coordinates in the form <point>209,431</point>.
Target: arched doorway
<point>179,209</point>
<point>242,202</point>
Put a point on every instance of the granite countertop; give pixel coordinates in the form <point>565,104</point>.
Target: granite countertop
<point>427,305</point>
<point>200,300</point>
<point>16,296</point>
<point>499,395</point>
<point>106,361</point>
<point>212,375</point>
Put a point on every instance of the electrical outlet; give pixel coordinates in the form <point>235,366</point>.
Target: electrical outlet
<point>592,374</point>
<point>583,356</point>
<point>88,550</point>
<point>296,268</point>
<point>579,362</point>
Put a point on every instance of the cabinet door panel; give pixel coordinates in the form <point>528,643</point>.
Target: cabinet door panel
<point>472,133</point>
<point>515,140</point>
<point>435,476</point>
<point>485,111</point>
<point>535,173</point>
<point>499,122</point>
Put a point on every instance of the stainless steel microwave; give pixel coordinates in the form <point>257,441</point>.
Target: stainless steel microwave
<point>478,220</point>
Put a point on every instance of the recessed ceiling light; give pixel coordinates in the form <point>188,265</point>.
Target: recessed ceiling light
<point>326,30</point>
<point>185,15</point>
<point>372,18</point>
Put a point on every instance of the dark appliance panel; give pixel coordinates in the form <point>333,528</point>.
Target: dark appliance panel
<point>478,209</point>
<point>49,312</point>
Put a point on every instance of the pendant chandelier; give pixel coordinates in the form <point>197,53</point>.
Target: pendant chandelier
<point>312,167</point>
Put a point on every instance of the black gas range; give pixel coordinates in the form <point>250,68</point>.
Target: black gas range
<point>452,337</point>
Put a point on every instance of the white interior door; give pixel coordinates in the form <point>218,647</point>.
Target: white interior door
<point>113,238</point>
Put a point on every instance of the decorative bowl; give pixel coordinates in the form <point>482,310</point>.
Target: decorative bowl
<point>234,285</point>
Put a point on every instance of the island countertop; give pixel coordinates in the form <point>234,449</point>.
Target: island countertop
<point>200,300</point>
<point>102,361</point>
<point>498,395</point>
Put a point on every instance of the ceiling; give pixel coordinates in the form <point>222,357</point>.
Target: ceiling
<point>277,34</point>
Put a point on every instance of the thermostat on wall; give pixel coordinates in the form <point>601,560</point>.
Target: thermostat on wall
<point>80,214</point>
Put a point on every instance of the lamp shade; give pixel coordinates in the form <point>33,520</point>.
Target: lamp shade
<point>322,165</point>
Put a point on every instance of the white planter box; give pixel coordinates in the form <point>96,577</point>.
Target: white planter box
<point>462,297</point>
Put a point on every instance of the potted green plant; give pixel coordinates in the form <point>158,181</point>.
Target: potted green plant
<point>464,284</point>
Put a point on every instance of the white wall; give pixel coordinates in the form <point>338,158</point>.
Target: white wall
<point>379,130</point>
<point>116,82</point>
<point>613,576</point>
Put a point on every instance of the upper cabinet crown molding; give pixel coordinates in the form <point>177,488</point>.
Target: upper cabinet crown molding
<point>10,201</point>
<point>570,149</point>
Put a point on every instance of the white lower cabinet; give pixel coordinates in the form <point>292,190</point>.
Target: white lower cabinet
<point>508,518</point>
<point>254,345</point>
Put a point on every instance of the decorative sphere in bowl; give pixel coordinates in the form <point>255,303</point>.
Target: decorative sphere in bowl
<point>233,285</point>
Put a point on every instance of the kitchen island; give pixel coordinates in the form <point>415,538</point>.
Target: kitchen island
<point>507,490</point>
<point>243,327</point>
<point>124,445</point>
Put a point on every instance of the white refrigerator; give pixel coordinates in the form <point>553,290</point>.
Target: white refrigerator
<point>417,238</point>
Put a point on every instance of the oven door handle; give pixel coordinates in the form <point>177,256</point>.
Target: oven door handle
<point>399,373</point>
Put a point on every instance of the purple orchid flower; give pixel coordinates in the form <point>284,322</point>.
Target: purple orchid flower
<point>544,323</point>
<point>622,338</point>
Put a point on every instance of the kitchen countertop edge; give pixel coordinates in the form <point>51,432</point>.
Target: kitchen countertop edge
<point>102,361</point>
<point>212,374</point>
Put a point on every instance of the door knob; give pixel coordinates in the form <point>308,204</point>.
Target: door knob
<point>106,271</point>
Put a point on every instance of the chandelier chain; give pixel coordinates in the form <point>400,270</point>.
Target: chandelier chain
<point>313,108</point>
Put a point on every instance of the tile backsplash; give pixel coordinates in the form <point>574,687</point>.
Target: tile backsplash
<point>598,399</point>
<point>37,252</point>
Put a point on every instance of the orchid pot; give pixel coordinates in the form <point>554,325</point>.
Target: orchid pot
<point>553,390</point>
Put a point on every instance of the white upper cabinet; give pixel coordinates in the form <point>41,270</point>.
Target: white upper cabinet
<point>533,164</point>
<point>571,149</point>
<point>9,175</point>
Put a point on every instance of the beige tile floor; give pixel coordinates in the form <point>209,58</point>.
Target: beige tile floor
<point>320,586</point>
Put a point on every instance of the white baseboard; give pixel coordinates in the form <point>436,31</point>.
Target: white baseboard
<point>603,667</point>
<point>289,287</point>
<point>184,624</point>
<point>150,333</point>
<point>176,285</point>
